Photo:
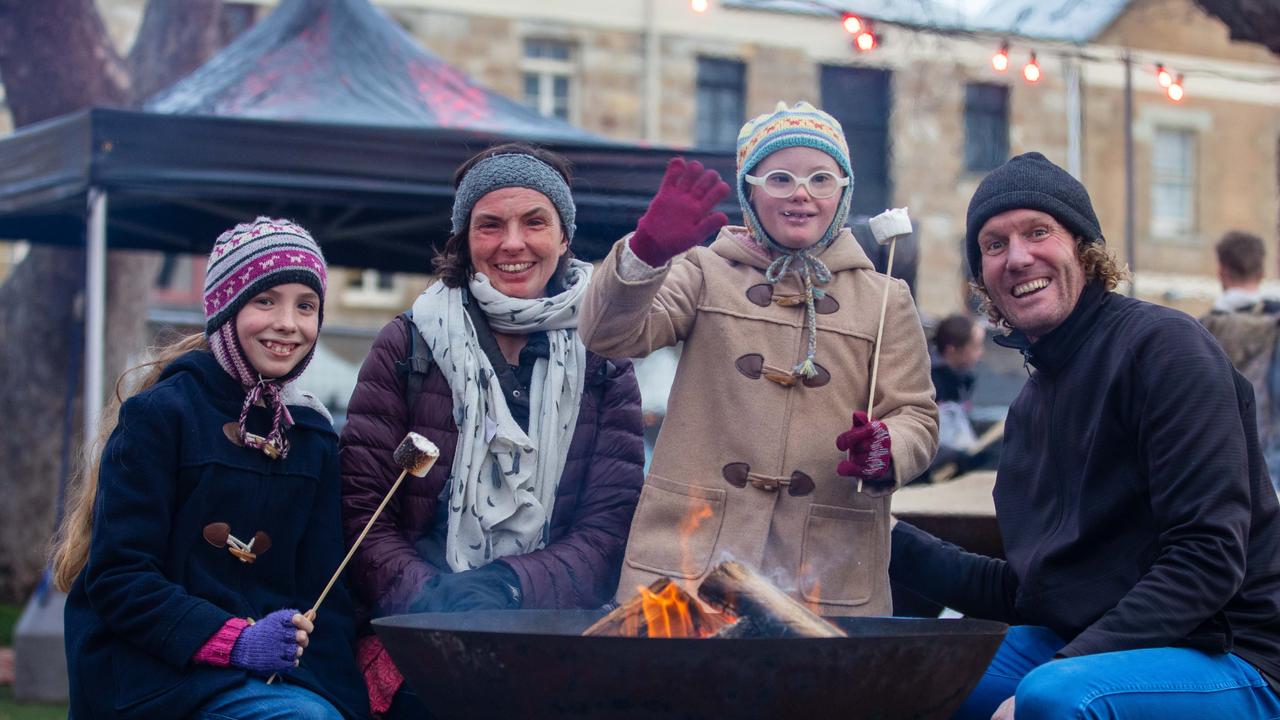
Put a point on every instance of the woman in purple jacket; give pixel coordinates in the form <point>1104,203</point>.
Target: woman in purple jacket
<point>540,441</point>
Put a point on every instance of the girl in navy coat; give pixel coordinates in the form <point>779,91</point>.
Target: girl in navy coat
<point>213,514</point>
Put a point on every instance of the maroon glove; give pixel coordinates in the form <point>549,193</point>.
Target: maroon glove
<point>867,443</point>
<point>680,214</point>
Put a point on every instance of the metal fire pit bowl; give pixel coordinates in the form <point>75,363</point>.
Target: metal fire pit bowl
<point>535,664</point>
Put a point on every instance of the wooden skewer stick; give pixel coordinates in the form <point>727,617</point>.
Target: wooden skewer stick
<point>875,358</point>
<point>420,471</point>
<point>367,526</point>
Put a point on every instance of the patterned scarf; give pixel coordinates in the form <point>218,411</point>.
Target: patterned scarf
<point>267,391</point>
<point>503,482</point>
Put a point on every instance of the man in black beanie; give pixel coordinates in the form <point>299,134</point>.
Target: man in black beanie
<point>1141,529</point>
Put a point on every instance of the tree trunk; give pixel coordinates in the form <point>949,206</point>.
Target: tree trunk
<point>56,58</point>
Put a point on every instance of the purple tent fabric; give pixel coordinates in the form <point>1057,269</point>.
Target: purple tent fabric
<point>344,61</point>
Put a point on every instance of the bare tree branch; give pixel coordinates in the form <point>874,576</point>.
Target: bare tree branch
<point>176,37</point>
<point>1255,21</point>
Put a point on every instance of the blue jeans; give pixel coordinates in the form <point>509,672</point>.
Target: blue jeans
<point>256,700</point>
<point>1151,684</point>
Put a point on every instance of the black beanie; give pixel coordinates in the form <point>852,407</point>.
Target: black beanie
<point>1029,181</point>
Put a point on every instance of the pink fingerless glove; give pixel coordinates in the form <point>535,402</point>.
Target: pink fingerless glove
<point>867,443</point>
<point>217,649</point>
<point>680,214</point>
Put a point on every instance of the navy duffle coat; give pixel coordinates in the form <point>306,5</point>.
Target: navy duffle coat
<point>155,590</point>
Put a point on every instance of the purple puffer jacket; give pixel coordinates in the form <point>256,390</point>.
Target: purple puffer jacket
<point>594,502</point>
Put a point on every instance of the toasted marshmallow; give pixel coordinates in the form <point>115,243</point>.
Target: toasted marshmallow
<point>416,454</point>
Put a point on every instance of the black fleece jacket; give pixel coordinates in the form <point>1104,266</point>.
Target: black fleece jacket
<point>1132,498</point>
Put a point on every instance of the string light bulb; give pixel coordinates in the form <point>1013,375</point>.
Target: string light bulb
<point>866,41</point>
<point>1000,61</point>
<point>1175,91</point>
<point>1031,71</point>
<point>852,23</point>
<point>1163,76</point>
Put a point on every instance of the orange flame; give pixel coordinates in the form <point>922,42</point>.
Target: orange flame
<point>666,613</point>
<point>808,585</point>
<point>698,513</point>
<point>815,591</point>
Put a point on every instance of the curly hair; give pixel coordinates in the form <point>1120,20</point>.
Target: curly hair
<point>453,262</point>
<point>1098,264</point>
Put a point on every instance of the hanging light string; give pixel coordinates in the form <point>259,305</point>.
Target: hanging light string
<point>865,39</point>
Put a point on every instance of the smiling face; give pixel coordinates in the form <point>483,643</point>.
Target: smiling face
<point>1031,270</point>
<point>800,220</point>
<point>278,327</point>
<point>516,240</point>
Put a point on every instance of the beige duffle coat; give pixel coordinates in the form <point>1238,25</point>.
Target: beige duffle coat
<point>745,463</point>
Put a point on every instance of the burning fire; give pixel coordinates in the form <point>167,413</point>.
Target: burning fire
<point>697,514</point>
<point>666,613</point>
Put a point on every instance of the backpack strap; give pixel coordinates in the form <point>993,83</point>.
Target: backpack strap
<point>417,362</point>
<point>600,378</point>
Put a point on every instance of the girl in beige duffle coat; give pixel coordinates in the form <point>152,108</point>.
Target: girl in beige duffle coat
<point>757,460</point>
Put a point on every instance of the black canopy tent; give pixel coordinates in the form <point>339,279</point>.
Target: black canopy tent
<point>375,197</point>
<point>326,112</point>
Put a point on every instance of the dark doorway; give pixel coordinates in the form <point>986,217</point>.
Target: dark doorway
<point>860,99</point>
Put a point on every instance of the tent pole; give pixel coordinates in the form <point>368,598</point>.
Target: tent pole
<point>95,290</point>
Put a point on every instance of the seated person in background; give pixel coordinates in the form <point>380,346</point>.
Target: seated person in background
<point>960,342</point>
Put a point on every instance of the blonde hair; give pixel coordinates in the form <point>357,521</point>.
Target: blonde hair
<point>71,543</point>
<point>1098,265</point>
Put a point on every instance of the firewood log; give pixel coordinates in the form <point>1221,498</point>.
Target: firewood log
<point>734,587</point>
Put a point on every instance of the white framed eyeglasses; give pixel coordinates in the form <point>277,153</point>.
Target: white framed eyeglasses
<point>783,183</point>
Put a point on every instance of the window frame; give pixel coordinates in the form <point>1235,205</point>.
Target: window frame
<point>547,70</point>
<point>1182,181</point>
<point>713,79</point>
<point>363,289</point>
<point>984,116</point>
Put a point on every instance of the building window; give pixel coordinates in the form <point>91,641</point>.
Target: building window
<point>986,126</point>
<point>548,77</point>
<point>721,104</point>
<point>175,274</point>
<point>180,281</point>
<point>371,288</point>
<point>1173,186</point>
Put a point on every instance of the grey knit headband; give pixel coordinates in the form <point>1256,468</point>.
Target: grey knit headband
<point>512,170</point>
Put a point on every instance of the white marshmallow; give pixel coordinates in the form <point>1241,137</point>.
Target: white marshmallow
<point>890,224</point>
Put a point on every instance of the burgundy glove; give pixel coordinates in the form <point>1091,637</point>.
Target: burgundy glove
<point>867,443</point>
<point>680,214</point>
<point>268,646</point>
